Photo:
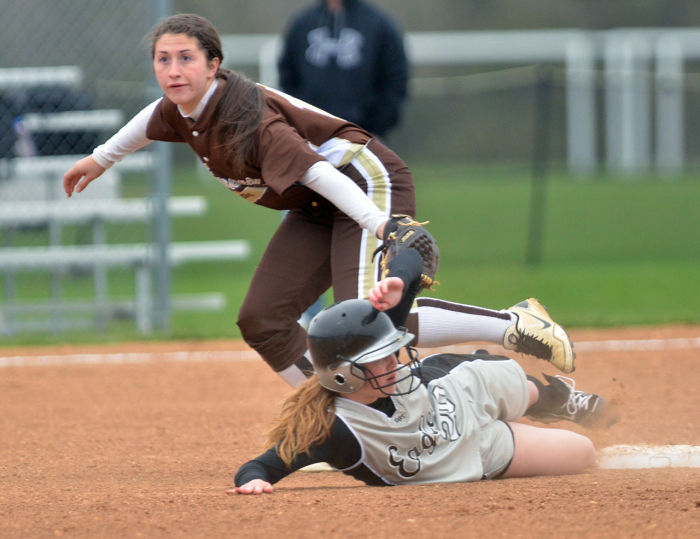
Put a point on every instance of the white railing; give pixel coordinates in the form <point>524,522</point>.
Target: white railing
<point>632,58</point>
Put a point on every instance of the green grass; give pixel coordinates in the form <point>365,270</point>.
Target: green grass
<point>613,251</point>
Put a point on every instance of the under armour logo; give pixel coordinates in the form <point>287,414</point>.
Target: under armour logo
<point>346,49</point>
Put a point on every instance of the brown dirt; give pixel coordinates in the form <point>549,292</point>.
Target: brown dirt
<point>148,449</point>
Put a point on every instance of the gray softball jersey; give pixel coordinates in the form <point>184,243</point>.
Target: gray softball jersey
<point>442,432</point>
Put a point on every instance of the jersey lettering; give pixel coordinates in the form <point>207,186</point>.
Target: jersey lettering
<point>251,194</point>
<point>432,428</point>
<point>446,414</point>
<point>398,462</point>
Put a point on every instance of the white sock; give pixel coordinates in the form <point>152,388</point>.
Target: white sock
<point>443,323</point>
<point>293,375</point>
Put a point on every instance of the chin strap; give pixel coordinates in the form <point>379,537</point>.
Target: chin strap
<point>305,366</point>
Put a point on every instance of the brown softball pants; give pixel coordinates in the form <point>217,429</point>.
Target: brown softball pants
<point>317,247</point>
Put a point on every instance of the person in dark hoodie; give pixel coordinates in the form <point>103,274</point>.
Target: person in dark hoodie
<point>346,57</point>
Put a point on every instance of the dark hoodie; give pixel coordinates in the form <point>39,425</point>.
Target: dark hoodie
<point>351,63</point>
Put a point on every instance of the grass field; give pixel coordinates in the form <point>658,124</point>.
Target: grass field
<point>612,251</point>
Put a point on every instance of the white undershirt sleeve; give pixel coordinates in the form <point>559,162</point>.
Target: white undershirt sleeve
<point>345,194</point>
<point>127,140</point>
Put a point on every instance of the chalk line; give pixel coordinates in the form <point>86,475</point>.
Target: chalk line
<point>612,345</point>
<point>249,355</point>
<point>127,358</point>
<point>637,344</point>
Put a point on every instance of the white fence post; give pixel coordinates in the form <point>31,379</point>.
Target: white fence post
<point>580,105</point>
<point>669,106</point>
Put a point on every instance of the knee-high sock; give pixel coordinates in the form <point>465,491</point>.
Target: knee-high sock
<point>442,323</point>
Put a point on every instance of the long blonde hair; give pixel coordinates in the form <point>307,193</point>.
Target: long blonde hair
<point>305,420</point>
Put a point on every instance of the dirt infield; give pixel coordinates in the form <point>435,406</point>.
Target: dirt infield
<point>146,445</point>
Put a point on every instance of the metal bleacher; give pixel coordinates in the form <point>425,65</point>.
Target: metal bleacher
<point>31,197</point>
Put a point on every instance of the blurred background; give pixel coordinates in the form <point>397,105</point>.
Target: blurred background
<point>555,147</point>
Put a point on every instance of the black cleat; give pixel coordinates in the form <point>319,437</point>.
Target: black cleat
<point>562,402</point>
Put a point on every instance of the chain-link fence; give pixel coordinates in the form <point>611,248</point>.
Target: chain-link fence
<point>71,73</point>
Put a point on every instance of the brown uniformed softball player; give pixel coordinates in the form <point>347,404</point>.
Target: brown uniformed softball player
<point>339,184</point>
<point>447,418</point>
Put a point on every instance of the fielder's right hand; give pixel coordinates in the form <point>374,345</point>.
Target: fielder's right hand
<point>80,175</point>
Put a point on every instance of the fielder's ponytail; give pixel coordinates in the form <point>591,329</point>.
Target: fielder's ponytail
<point>239,113</point>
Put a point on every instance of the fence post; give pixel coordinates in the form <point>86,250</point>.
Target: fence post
<point>540,157</point>
<point>163,178</point>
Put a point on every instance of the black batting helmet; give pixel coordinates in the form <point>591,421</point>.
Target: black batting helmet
<point>345,336</point>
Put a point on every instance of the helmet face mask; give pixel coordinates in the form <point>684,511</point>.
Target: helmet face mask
<point>349,335</point>
<point>388,384</point>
